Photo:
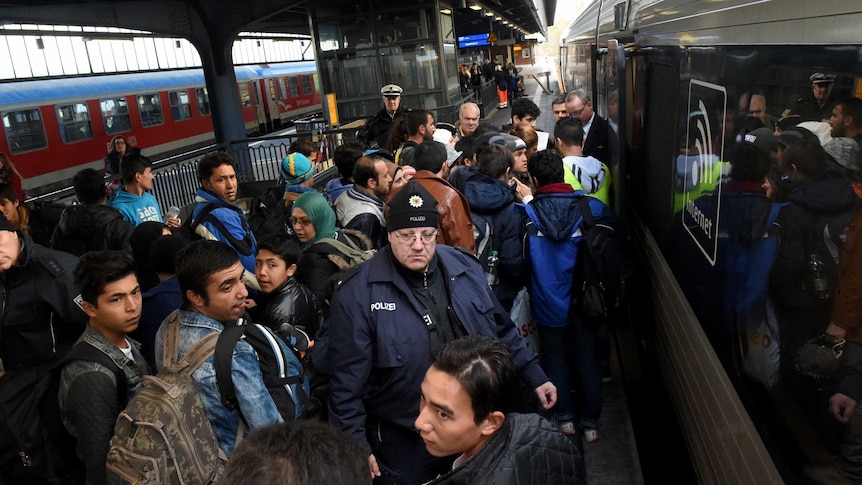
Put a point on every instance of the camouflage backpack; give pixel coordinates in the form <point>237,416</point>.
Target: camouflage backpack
<point>164,436</point>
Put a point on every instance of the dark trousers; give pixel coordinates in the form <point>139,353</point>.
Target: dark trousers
<point>402,456</point>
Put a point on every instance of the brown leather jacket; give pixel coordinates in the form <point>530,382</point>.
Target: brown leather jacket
<point>847,309</point>
<point>456,225</point>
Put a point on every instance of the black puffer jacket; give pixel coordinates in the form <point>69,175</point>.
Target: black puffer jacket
<point>85,228</point>
<point>526,450</point>
<point>290,303</point>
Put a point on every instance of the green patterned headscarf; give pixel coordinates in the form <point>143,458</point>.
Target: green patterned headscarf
<point>319,213</point>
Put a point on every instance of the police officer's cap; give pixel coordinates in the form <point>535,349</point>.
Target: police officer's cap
<point>391,90</point>
<point>820,78</point>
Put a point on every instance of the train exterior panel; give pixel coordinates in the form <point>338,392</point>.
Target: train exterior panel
<point>55,127</point>
<point>680,77</point>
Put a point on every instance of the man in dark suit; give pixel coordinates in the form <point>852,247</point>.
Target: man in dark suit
<point>579,105</point>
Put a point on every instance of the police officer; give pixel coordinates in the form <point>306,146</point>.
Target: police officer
<point>377,127</point>
<point>818,105</point>
<point>389,316</point>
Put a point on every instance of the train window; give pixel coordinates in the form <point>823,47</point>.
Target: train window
<point>203,101</point>
<point>150,107</point>
<point>180,105</point>
<point>25,131</point>
<point>282,88</point>
<point>293,83</point>
<point>306,84</point>
<point>74,122</point>
<point>244,96</point>
<point>115,115</point>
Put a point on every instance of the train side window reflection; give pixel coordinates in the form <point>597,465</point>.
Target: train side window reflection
<point>74,121</point>
<point>203,101</point>
<point>115,115</point>
<point>25,131</point>
<point>281,88</point>
<point>180,105</point>
<point>150,107</point>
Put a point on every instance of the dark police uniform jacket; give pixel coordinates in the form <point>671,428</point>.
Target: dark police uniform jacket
<point>40,319</point>
<point>376,130</point>
<point>379,345</point>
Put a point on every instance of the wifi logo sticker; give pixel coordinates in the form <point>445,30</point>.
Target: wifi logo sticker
<point>701,158</point>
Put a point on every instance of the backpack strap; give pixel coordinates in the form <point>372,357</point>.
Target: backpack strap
<point>243,246</point>
<point>223,359</point>
<point>351,250</point>
<point>85,351</point>
<point>199,353</point>
<point>170,351</point>
<point>586,212</point>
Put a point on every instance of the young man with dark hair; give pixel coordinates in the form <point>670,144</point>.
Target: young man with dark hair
<point>93,390</point>
<point>389,316</point>
<point>420,127</point>
<point>524,113</point>
<point>558,106</point>
<point>305,147</point>
<point>361,207</point>
<point>214,296</point>
<point>220,219</point>
<point>471,400</point>
<point>846,119</point>
<point>301,453</point>
<point>583,172</point>
<point>91,225</point>
<point>554,215</point>
<point>432,170</point>
<point>134,201</point>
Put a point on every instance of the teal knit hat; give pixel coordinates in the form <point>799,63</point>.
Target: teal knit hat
<point>319,213</point>
<point>296,168</point>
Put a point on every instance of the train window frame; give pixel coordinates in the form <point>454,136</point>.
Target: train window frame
<point>121,115</point>
<point>9,137</point>
<point>65,125</point>
<point>203,97</point>
<point>157,103</point>
<point>177,111</point>
<point>293,85</point>
<point>307,84</point>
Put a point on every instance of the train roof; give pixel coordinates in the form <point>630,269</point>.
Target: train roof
<point>20,94</point>
<point>728,22</point>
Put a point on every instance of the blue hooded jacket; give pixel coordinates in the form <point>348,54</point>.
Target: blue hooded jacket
<point>553,237</point>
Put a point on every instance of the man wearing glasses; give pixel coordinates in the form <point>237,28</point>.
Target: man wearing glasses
<point>580,106</point>
<point>389,316</point>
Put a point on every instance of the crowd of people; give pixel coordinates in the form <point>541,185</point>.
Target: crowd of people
<point>395,284</point>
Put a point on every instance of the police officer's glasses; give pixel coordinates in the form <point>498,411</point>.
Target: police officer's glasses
<point>408,238</point>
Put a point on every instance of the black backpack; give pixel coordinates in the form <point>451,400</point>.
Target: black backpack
<point>602,268</point>
<point>188,230</point>
<point>269,213</point>
<point>44,217</point>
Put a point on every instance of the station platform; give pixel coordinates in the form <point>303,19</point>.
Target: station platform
<point>614,458</point>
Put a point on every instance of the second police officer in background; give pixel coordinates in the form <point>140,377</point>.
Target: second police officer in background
<point>377,127</point>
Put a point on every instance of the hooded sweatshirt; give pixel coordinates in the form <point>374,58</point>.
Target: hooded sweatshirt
<point>588,174</point>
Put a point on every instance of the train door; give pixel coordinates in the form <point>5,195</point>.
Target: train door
<point>261,109</point>
<point>612,97</point>
<point>272,103</point>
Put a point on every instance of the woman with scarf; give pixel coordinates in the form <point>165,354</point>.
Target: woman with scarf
<point>313,222</point>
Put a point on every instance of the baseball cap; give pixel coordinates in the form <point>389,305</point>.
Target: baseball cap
<point>391,90</point>
<point>762,139</point>
<point>794,134</point>
<point>511,142</point>
<point>845,151</point>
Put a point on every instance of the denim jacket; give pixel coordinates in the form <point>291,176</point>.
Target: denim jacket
<point>258,408</point>
<point>88,400</point>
